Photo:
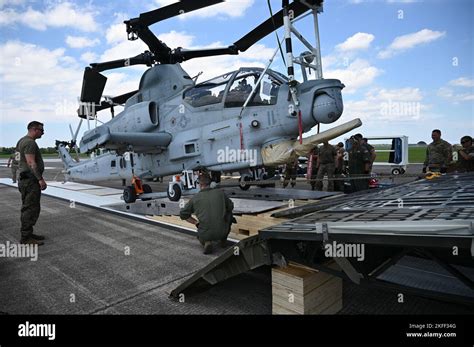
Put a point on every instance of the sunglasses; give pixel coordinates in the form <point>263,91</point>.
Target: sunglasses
<point>42,130</point>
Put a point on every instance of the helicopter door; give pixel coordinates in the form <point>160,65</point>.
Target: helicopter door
<point>113,166</point>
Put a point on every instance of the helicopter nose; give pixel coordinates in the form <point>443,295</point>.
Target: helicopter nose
<point>327,104</point>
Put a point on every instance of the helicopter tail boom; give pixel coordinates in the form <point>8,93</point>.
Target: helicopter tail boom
<point>66,158</point>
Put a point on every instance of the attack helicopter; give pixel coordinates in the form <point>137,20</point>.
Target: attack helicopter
<point>240,121</point>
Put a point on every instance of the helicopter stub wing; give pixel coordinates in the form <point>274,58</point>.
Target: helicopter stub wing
<point>287,151</point>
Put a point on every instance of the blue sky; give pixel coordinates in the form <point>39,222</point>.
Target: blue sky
<point>407,65</point>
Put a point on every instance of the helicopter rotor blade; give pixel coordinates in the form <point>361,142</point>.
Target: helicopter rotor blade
<point>273,23</point>
<point>176,9</point>
<point>141,59</point>
<point>72,133</point>
<point>93,83</point>
<point>181,54</point>
<point>116,100</point>
<point>297,8</point>
<point>77,130</point>
<point>139,27</point>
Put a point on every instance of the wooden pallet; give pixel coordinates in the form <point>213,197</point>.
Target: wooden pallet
<point>297,289</point>
<point>247,225</point>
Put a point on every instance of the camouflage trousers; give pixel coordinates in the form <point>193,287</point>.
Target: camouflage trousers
<point>290,174</point>
<point>14,172</point>
<point>328,169</point>
<point>30,209</point>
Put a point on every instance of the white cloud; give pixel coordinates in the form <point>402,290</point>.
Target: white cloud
<point>358,41</point>
<point>382,105</point>
<point>356,75</point>
<point>35,81</point>
<point>229,8</point>
<point>81,41</point>
<point>116,33</point>
<point>455,91</point>
<point>4,3</point>
<point>405,42</point>
<point>60,15</point>
<point>89,57</point>
<point>454,97</point>
<point>176,39</point>
<point>329,60</point>
<point>355,2</point>
<point>462,82</point>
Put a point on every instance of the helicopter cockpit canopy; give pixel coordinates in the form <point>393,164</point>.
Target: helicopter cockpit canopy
<point>234,88</point>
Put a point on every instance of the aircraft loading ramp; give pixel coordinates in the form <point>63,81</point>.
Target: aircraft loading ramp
<point>418,237</point>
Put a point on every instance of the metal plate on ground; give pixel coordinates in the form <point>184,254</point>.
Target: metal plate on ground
<point>426,274</point>
<point>277,194</point>
<point>247,206</point>
<point>103,191</point>
<point>156,207</point>
<point>72,185</point>
<point>166,207</point>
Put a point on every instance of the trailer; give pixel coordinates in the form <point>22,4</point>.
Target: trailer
<point>398,152</point>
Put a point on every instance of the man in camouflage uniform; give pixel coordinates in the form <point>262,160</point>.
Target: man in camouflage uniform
<point>371,149</point>
<point>291,171</point>
<point>312,170</point>
<point>466,155</point>
<point>214,212</point>
<point>31,182</point>
<point>358,165</point>
<point>13,162</point>
<point>327,165</point>
<point>339,184</point>
<point>438,153</point>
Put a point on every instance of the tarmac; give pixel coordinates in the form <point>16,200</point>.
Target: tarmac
<point>95,262</point>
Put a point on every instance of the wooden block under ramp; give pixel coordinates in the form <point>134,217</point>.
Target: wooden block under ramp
<point>297,289</point>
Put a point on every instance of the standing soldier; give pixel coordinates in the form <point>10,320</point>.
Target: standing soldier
<point>339,185</point>
<point>13,162</point>
<point>31,182</point>
<point>326,165</point>
<point>291,170</point>
<point>371,150</point>
<point>466,155</point>
<point>359,165</point>
<point>438,153</point>
<point>312,170</point>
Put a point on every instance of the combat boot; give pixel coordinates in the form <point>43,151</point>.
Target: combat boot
<point>37,237</point>
<point>207,247</point>
<point>31,241</point>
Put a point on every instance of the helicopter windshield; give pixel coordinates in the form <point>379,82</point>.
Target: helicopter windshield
<point>245,81</point>
<point>209,92</point>
<point>212,91</point>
